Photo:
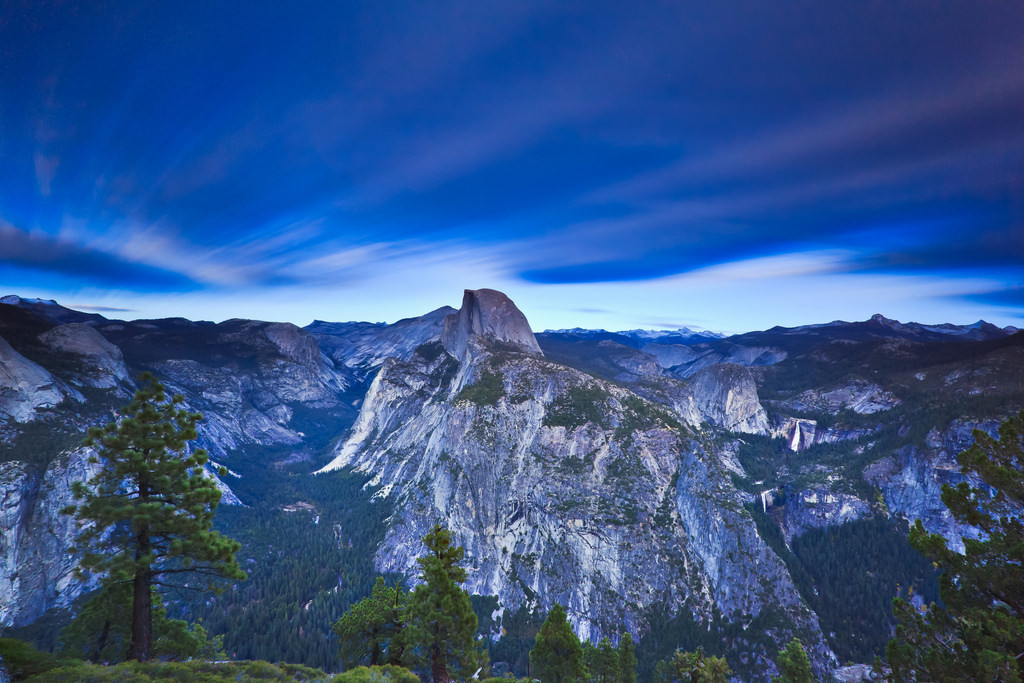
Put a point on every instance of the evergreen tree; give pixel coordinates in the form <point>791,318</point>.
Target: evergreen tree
<point>556,656</point>
<point>979,633</point>
<point>627,659</point>
<point>440,621</point>
<point>589,655</point>
<point>147,515</point>
<point>793,664</point>
<point>605,667</point>
<point>102,629</point>
<point>369,631</point>
<point>692,667</point>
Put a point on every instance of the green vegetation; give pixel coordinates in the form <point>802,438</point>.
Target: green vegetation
<point>519,632</point>
<point>848,575</point>
<point>556,656</point>
<point>641,415</point>
<point>146,517</point>
<point>578,406</point>
<point>101,630</point>
<point>432,628</point>
<point>794,667</point>
<point>218,672</point>
<point>440,621</point>
<point>22,660</point>
<point>978,634</point>
<point>692,667</point>
<point>368,630</point>
<point>305,567</point>
<point>487,390</point>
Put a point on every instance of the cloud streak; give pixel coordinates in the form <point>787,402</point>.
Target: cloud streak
<point>557,145</point>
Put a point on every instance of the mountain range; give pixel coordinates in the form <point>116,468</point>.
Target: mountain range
<point>679,485</point>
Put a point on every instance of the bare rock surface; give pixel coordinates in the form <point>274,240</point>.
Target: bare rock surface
<point>490,314</point>
<point>104,362</point>
<point>25,386</point>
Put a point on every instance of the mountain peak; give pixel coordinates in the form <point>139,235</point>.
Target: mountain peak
<point>490,314</point>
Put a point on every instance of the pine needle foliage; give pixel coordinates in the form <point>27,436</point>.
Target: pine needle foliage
<point>557,656</point>
<point>440,621</point>
<point>146,517</point>
<point>979,632</point>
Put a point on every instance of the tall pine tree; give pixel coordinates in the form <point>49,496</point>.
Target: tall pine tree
<point>605,667</point>
<point>627,659</point>
<point>369,632</point>
<point>440,621</point>
<point>147,515</point>
<point>794,667</point>
<point>556,656</point>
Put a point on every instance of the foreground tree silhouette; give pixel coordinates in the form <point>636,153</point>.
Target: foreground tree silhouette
<point>440,621</point>
<point>147,515</point>
<point>979,634</point>
<point>556,656</point>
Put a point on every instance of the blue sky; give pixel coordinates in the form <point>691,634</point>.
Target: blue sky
<point>728,165</point>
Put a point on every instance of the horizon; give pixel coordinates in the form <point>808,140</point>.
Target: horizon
<point>99,310</point>
<point>727,168</point>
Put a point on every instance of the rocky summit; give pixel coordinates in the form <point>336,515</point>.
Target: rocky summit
<point>661,483</point>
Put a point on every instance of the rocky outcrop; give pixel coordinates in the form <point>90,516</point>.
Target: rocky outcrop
<point>103,363</point>
<point>911,480</point>
<point>861,397</point>
<point>363,347</point>
<point>685,360</point>
<point>726,396</point>
<point>562,488</point>
<point>25,387</point>
<point>801,433</point>
<point>35,537</point>
<point>490,314</point>
<point>818,508</point>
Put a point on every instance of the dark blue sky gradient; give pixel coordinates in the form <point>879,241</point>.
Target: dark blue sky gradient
<point>158,150</point>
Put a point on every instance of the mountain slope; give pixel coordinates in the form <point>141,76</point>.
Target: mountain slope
<point>562,487</point>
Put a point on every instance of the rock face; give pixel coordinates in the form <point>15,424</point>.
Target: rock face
<point>562,488</point>
<point>104,362</point>
<point>802,433</point>
<point>818,508</point>
<point>685,360</point>
<point>490,314</point>
<point>25,386</point>
<point>726,396</point>
<point>362,348</point>
<point>861,397</point>
<point>911,480</point>
<point>35,537</point>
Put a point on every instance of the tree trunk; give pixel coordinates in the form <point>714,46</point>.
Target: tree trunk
<point>142,591</point>
<point>438,666</point>
<point>101,643</point>
<point>142,616</point>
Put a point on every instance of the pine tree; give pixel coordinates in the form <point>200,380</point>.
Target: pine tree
<point>101,630</point>
<point>606,663</point>
<point>147,515</point>
<point>692,667</point>
<point>627,659</point>
<point>440,621</point>
<point>556,656</point>
<point>793,664</point>
<point>369,632</point>
<point>979,634</point>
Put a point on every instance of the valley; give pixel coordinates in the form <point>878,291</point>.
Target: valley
<point>694,490</point>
